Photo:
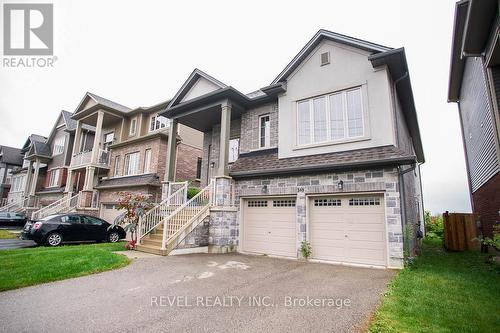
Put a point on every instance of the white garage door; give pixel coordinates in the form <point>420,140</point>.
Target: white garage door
<point>348,229</point>
<point>109,212</point>
<point>269,226</point>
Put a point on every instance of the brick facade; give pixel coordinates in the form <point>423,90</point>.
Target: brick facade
<point>486,203</point>
<point>187,162</point>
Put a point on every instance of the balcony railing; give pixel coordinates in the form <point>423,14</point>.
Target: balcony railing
<point>85,158</point>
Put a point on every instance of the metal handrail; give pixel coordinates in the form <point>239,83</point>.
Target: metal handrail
<point>158,213</point>
<point>186,213</point>
<point>59,206</point>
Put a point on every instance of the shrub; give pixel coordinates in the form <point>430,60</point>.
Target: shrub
<point>495,241</point>
<point>434,226</point>
<point>305,249</point>
<point>192,191</point>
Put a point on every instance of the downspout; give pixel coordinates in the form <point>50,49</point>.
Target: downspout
<point>402,201</point>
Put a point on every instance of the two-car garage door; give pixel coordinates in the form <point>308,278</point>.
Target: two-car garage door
<point>347,229</point>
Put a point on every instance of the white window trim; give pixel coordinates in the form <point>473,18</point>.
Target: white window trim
<point>167,124</point>
<point>138,163</point>
<point>53,180</point>
<point>329,141</point>
<point>63,138</point>
<point>147,161</point>
<point>134,131</point>
<point>116,169</point>
<point>260,131</point>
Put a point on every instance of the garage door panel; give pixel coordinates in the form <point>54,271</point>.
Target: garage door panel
<point>270,229</point>
<point>348,229</point>
<point>367,236</point>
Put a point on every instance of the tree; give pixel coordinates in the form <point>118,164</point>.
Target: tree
<point>135,206</point>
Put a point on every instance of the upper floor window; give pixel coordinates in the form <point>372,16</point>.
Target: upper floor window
<point>198,168</point>
<point>333,117</point>
<point>108,139</point>
<point>133,126</point>
<point>53,177</point>
<point>59,145</point>
<point>264,131</point>
<point>158,122</point>
<point>234,150</point>
<point>131,164</point>
<point>147,160</point>
<point>116,171</point>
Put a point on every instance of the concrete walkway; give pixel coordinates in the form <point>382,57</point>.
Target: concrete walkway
<point>201,292</point>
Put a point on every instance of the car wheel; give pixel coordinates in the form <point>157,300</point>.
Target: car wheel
<point>54,239</point>
<point>113,237</point>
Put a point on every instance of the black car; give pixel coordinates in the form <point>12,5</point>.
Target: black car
<point>56,229</point>
<point>12,219</point>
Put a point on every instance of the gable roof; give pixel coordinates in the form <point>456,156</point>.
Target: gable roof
<point>328,35</point>
<point>31,139</point>
<point>40,149</point>
<point>11,155</point>
<point>471,30</point>
<point>70,123</point>
<point>103,102</point>
<point>190,82</point>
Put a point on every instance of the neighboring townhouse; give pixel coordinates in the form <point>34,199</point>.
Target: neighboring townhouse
<point>329,152</point>
<point>10,158</point>
<point>126,153</point>
<point>474,85</point>
<point>26,179</point>
<point>56,153</point>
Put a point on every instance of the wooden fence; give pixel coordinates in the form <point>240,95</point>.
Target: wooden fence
<point>461,231</point>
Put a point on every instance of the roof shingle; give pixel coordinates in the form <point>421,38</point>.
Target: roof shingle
<point>267,162</point>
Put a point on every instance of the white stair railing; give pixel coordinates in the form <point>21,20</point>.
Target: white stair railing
<point>15,206</point>
<point>62,205</point>
<point>182,216</point>
<point>158,213</point>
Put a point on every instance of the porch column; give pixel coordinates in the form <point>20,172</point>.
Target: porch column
<point>97,138</point>
<point>78,137</point>
<point>69,182</point>
<point>29,176</point>
<point>225,126</point>
<point>89,179</point>
<point>171,152</point>
<point>35,177</point>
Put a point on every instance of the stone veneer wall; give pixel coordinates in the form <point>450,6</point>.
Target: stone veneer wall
<point>224,227</point>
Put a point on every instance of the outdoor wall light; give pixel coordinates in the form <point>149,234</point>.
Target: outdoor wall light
<point>340,185</point>
<point>264,189</point>
<point>212,164</point>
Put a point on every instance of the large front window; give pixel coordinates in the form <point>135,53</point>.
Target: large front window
<point>158,122</point>
<point>131,165</point>
<point>329,118</point>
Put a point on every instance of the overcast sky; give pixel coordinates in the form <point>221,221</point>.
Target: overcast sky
<point>138,53</point>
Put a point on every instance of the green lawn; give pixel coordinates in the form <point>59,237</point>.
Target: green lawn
<point>5,234</point>
<point>442,292</point>
<point>26,267</point>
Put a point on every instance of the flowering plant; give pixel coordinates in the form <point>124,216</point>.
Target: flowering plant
<point>134,206</point>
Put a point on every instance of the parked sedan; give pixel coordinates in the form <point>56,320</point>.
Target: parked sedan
<point>12,219</point>
<point>56,229</point>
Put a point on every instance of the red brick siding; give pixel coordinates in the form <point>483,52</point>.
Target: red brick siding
<point>112,195</point>
<point>486,202</point>
<point>187,158</point>
<point>156,150</point>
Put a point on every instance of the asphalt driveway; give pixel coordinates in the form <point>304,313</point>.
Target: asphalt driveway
<point>200,292</point>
